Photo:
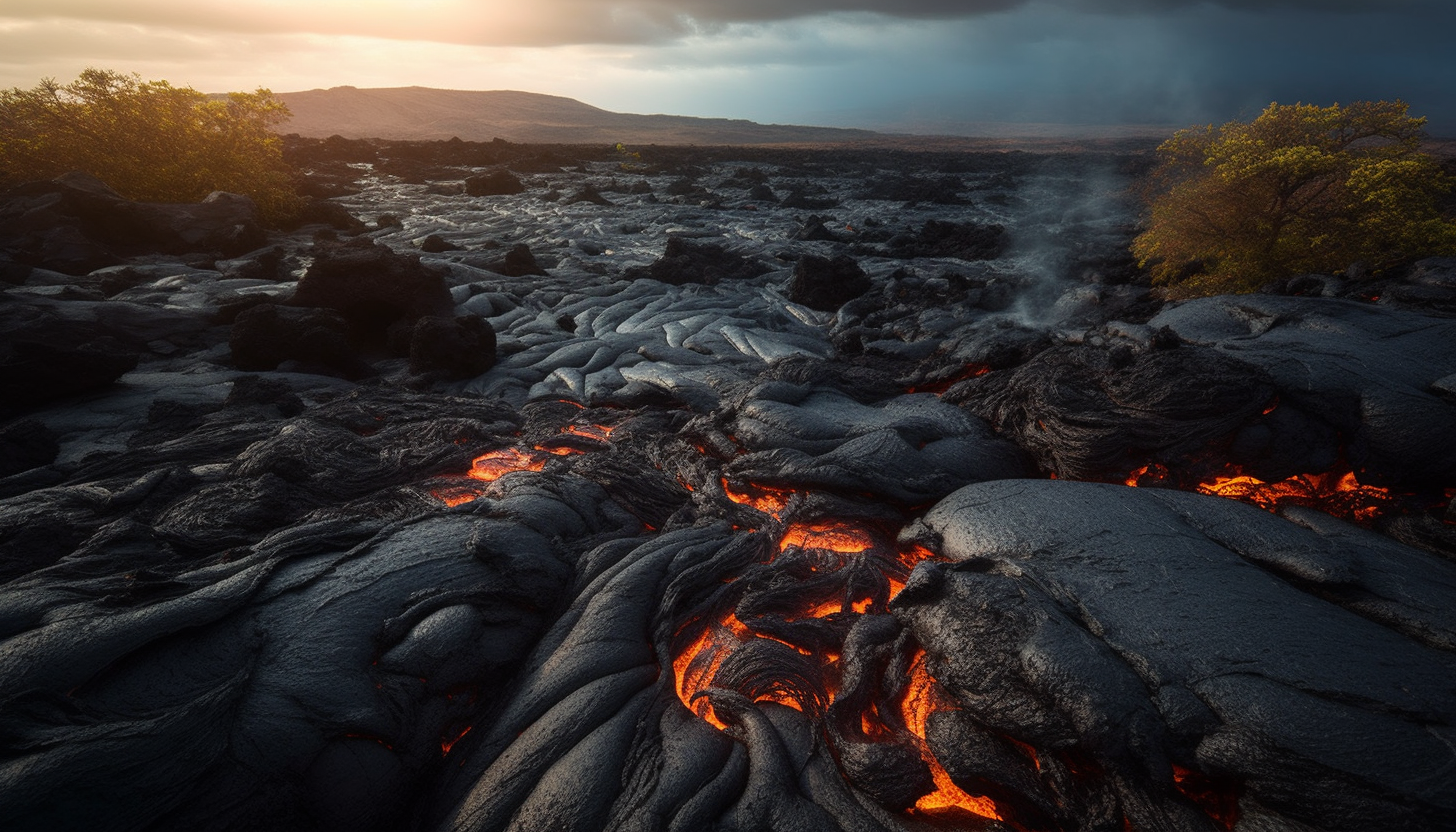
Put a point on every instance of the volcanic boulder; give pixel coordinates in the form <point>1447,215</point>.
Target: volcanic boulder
<point>435,244</point>
<point>36,371</point>
<point>1087,412</point>
<point>266,335</point>
<point>494,183</point>
<point>460,347</point>
<point>1348,375</point>
<point>808,199</point>
<point>1308,661</point>
<point>322,212</point>
<point>826,285</point>
<point>518,261</point>
<point>588,193</point>
<point>372,287</point>
<point>75,224</point>
<point>684,262</point>
<point>940,238</point>
<point>910,449</point>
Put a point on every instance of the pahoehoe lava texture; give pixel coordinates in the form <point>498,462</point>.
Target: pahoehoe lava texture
<point>610,492</point>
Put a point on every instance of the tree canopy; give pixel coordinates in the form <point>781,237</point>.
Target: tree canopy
<point>1300,189</point>
<point>148,140</point>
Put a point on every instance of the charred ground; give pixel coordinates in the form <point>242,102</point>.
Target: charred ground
<point>685,488</point>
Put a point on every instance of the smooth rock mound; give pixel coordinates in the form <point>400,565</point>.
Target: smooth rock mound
<point>1151,628</point>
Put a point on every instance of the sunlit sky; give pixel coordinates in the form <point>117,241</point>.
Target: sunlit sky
<point>920,65</point>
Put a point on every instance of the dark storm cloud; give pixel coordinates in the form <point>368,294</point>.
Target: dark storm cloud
<point>853,62</point>
<point>555,22</point>
<point>743,11</point>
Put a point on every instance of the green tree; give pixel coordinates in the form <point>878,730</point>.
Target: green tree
<point>148,140</point>
<point>1300,189</point>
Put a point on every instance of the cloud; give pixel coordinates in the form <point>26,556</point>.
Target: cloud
<point>1085,61</point>
<point>558,22</point>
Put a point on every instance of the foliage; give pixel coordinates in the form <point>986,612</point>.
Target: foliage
<point>1300,189</point>
<point>149,141</point>
<point>631,160</point>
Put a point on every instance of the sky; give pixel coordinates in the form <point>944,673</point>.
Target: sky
<point>913,65</point>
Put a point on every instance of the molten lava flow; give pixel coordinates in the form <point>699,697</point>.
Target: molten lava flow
<point>937,387</point>
<point>1337,493</point>
<point>769,500</point>
<point>449,742</point>
<point>560,450</point>
<point>598,432</point>
<point>1220,801</point>
<point>496,464</point>
<point>831,546</point>
<point>837,537</point>
<point>453,497</point>
<point>695,668</point>
<point>915,554</point>
<point>1147,475</point>
<point>923,696</point>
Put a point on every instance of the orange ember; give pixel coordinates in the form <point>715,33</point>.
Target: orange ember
<point>1337,493</point>
<point>769,500</point>
<point>598,432</point>
<point>923,697</point>
<point>937,387</point>
<point>1219,800</point>
<point>695,669</point>
<point>496,464</point>
<point>449,743</point>
<point>453,497</point>
<point>837,537</point>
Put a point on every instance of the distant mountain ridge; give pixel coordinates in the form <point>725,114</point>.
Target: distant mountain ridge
<point>425,113</point>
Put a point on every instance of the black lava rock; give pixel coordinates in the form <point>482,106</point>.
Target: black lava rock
<point>328,214</point>
<point>34,372</point>
<point>517,262</point>
<point>371,286</point>
<point>943,190</point>
<point>495,183</point>
<point>24,445</point>
<point>685,262</point>
<point>461,347</point>
<point>938,238</point>
<point>75,224</point>
<point>268,334</point>
<point>827,285</point>
<point>435,244</point>
<point>588,193</point>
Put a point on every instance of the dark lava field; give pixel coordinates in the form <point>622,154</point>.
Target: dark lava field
<point>575,488</point>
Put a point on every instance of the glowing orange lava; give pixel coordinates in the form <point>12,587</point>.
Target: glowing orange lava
<point>453,497</point>
<point>449,743</point>
<point>1220,801</point>
<point>598,432</point>
<point>1157,472</point>
<point>839,537</point>
<point>1336,492</point>
<point>769,500</point>
<point>496,464</point>
<point>937,387</point>
<point>923,696</point>
<point>696,666</point>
